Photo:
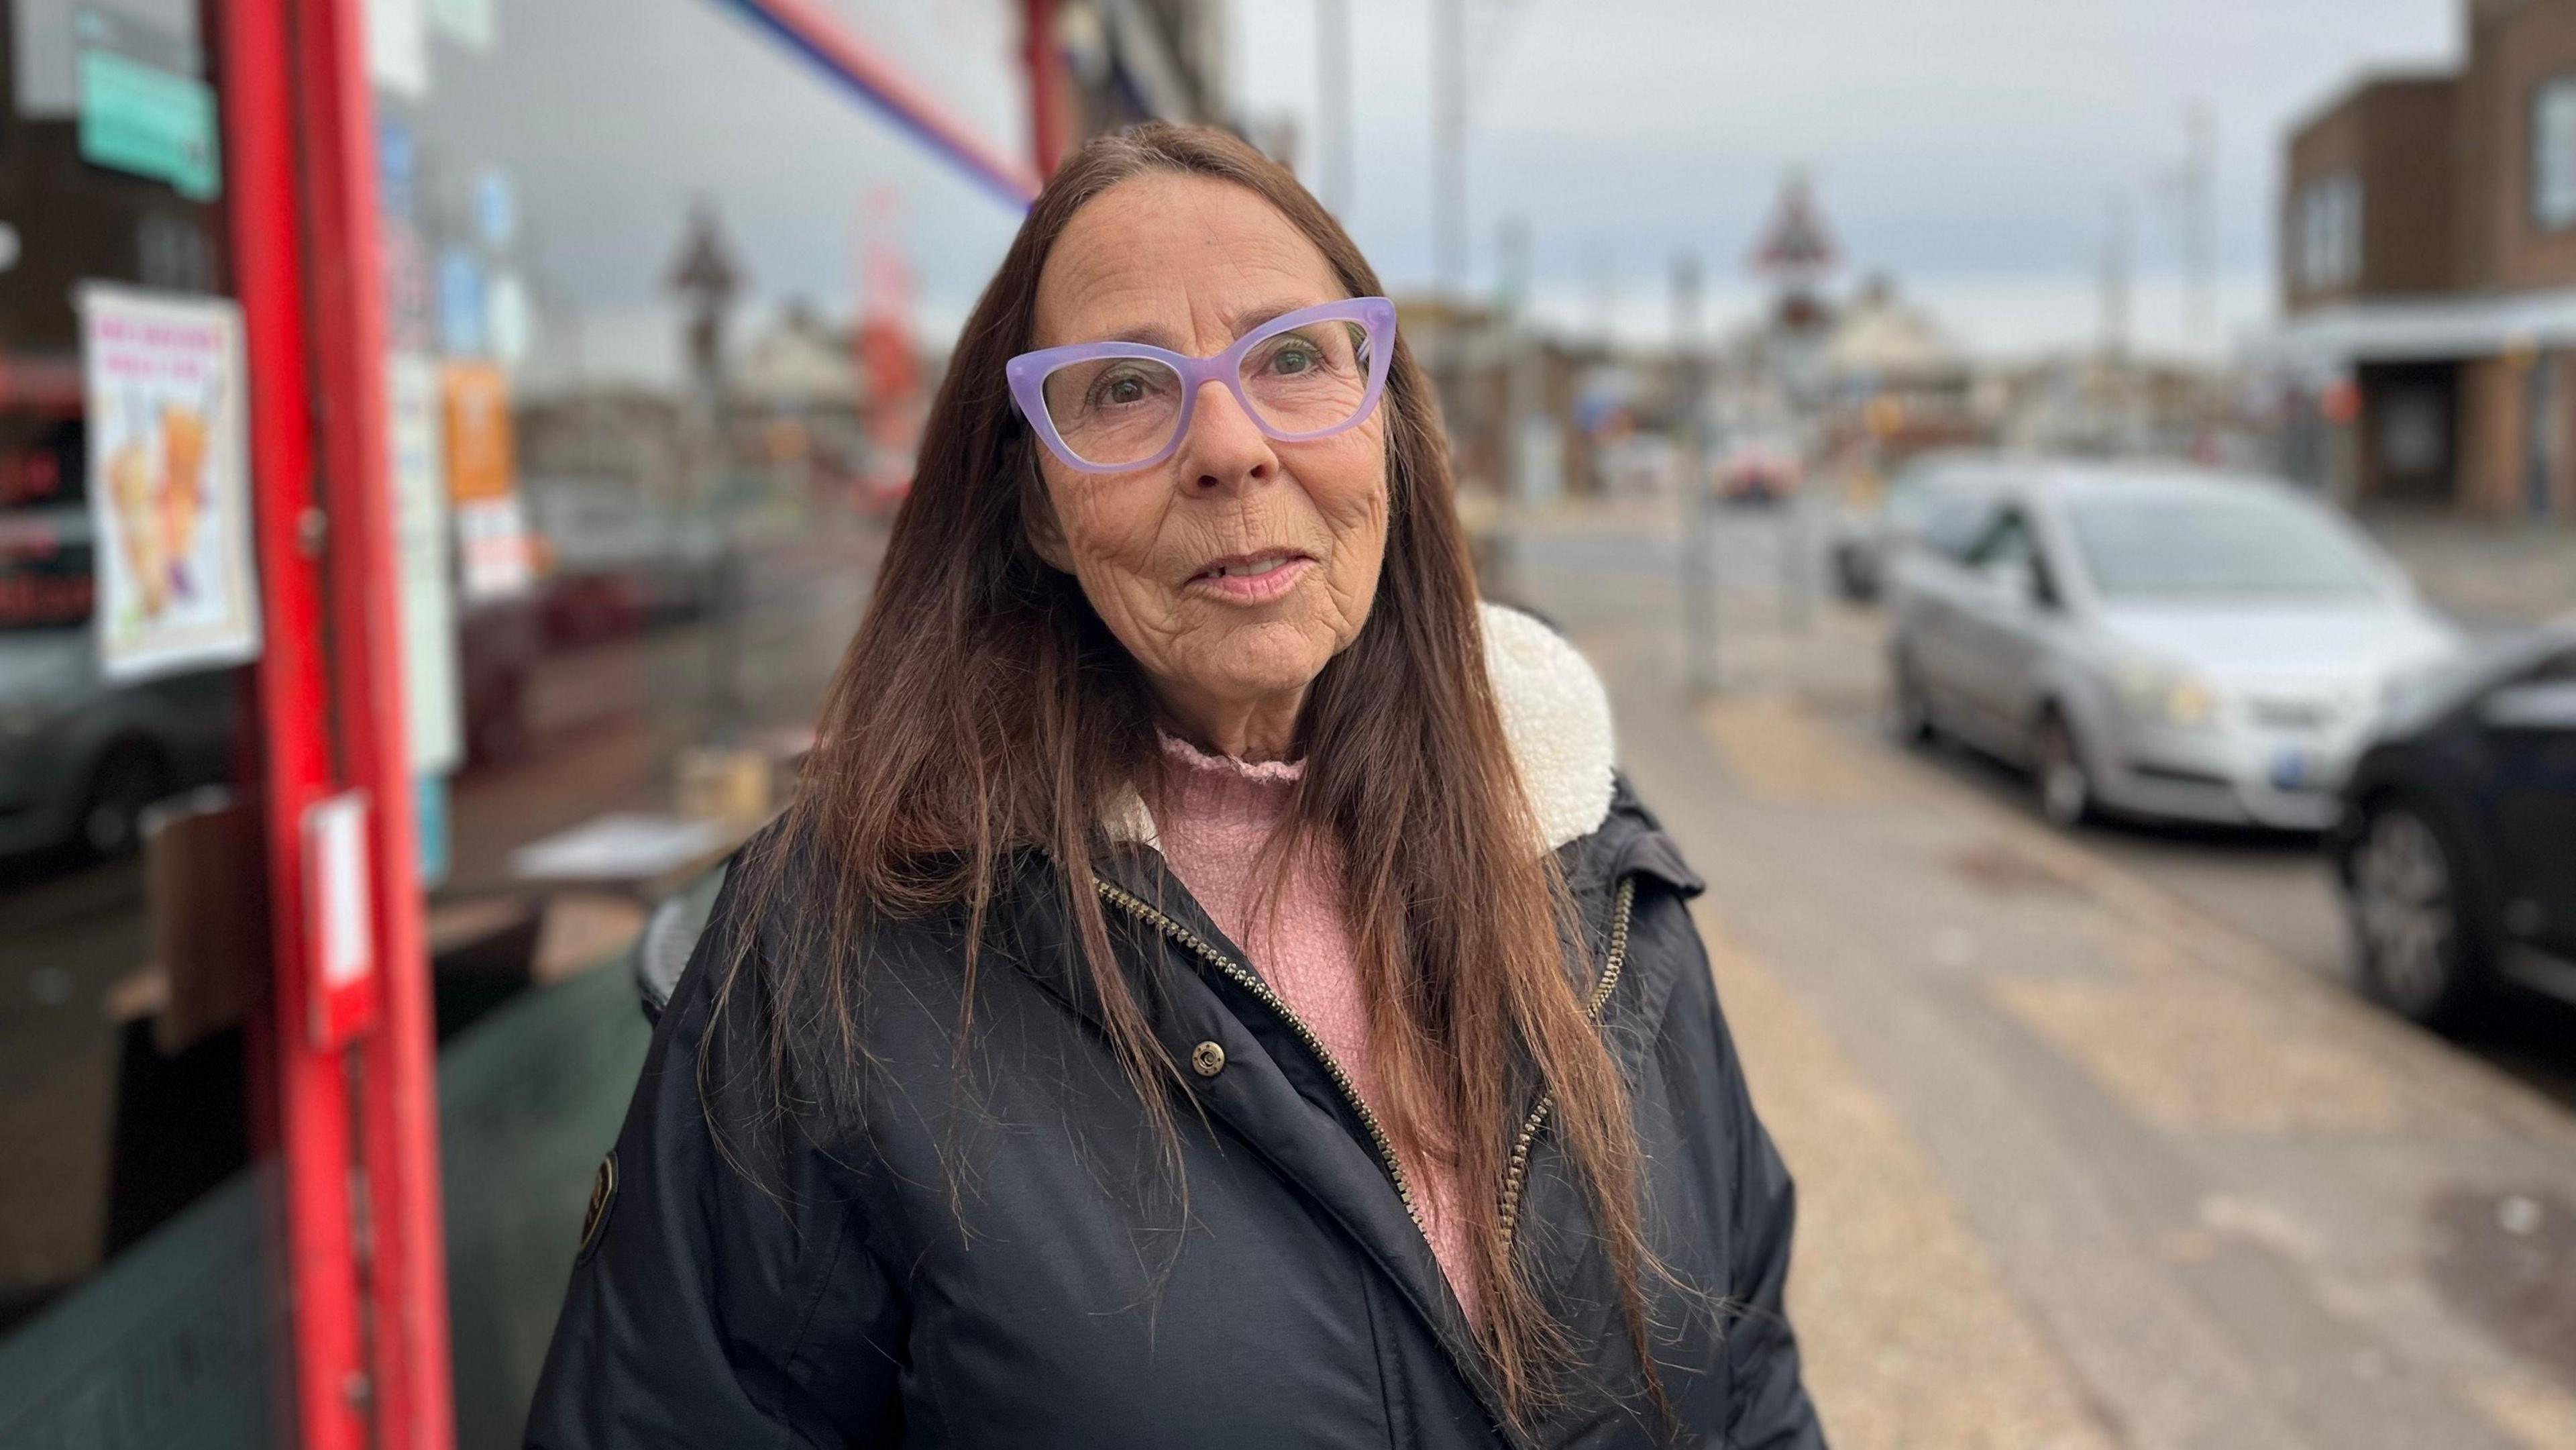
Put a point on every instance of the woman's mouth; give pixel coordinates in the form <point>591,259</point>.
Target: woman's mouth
<point>1252,578</point>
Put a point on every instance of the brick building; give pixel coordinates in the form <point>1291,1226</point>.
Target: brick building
<point>2428,261</point>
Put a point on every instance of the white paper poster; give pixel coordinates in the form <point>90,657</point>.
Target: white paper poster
<point>508,318</point>
<point>414,395</point>
<point>169,481</point>
<point>492,540</point>
<point>398,47</point>
<point>467,22</point>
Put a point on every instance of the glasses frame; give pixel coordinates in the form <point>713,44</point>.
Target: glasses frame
<point>1028,374</point>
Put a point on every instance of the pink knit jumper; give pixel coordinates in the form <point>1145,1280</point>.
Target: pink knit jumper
<point>1217,814</point>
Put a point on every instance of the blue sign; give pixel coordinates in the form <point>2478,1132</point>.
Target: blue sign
<point>149,122</point>
<point>460,303</point>
<point>496,208</point>
<point>397,167</point>
<point>430,820</point>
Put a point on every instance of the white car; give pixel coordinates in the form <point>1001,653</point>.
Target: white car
<point>2155,643</point>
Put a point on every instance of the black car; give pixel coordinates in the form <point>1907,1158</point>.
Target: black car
<point>2456,854</point>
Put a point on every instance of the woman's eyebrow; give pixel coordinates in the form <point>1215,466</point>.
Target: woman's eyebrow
<point>1248,318</point>
<point>1238,322</point>
<point>1148,333</point>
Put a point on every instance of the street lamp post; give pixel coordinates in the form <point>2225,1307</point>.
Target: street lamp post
<point>1333,76</point>
<point>1699,544</point>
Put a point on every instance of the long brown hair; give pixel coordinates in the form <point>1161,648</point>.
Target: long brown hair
<point>983,711</point>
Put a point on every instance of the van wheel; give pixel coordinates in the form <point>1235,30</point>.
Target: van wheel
<point>2059,774</point>
<point>1909,715</point>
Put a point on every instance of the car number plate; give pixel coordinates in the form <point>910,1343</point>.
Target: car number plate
<point>2293,769</point>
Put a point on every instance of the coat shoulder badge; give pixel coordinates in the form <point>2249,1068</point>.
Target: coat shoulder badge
<point>603,1197</point>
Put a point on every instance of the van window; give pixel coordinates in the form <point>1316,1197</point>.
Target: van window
<point>1955,528</point>
<point>2005,543</point>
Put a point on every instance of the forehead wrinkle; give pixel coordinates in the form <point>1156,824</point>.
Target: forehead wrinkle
<point>1245,319</point>
<point>1135,264</point>
<point>1239,321</point>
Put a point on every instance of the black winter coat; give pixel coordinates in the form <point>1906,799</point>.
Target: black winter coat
<point>1035,1297</point>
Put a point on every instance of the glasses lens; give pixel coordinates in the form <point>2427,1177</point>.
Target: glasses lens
<point>1309,378</point>
<point>1114,410</point>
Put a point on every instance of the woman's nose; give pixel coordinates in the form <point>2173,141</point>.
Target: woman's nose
<point>1225,448</point>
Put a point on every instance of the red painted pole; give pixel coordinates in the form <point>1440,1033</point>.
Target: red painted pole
<point>1045,71</point>
<point>398,1118</point>
<point>325,1331</point>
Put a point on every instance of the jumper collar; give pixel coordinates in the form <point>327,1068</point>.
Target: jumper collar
<point>1556,718</point>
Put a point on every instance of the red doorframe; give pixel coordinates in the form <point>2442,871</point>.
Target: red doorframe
<point>311,1087</point>
<point>368,1320</point>
<point>396,1063</point>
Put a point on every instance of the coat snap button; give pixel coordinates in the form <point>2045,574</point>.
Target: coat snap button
<point>1207,1059</point>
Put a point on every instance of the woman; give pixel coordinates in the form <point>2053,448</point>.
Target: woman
<point>1212,988</point>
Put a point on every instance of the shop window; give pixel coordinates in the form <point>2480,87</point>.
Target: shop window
<point>2414,432</point>
<point>2553,153</point>
<point>665,311</point>
<point>2329,235</point>
<point>131,962</point>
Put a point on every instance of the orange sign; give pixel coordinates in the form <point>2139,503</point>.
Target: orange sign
<point>478,432</point>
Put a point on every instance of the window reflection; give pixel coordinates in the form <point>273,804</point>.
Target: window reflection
<point>735,287</point>
<point>114,1112</point>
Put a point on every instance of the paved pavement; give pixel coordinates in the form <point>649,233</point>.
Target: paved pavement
<point>2084,1161</point>
<point>2487,574</point>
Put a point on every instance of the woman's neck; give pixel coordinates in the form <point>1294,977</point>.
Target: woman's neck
<point>1255,730</point>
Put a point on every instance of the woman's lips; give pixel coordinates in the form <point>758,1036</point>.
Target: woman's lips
<point>1252,578</point>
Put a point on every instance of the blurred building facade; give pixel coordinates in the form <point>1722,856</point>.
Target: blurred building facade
<point>2428,268</point>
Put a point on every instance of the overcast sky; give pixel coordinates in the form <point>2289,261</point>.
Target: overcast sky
<point>1972,147</point>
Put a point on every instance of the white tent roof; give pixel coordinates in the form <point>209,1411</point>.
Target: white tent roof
<point>796,361</point>
<point>1880,334</point>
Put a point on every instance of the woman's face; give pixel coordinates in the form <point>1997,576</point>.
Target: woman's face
<point>1236,568</point>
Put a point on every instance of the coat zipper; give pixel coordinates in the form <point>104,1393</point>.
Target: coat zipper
<point>1515,1176</point>
<point>1251,982</point>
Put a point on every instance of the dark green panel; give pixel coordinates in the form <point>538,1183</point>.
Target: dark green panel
<point>529,1099</point>
<point>167,1347</point>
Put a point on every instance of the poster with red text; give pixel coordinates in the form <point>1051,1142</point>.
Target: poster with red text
<point>169,481</point>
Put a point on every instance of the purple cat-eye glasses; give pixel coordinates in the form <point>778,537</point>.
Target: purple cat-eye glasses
<point>1108,407</point>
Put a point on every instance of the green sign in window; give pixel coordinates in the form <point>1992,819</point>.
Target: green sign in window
<point>151,122</point>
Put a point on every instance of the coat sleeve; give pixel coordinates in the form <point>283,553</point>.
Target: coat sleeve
<point>1769,1408</point>
<point>707,1308</point>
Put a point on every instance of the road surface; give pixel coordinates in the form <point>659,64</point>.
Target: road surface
<point>2094,1147</point>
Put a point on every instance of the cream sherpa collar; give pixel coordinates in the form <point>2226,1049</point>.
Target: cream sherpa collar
<point>1555,714</point>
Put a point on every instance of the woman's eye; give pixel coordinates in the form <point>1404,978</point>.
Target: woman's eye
<point>1121,390</point>
<point>1295,358</point>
